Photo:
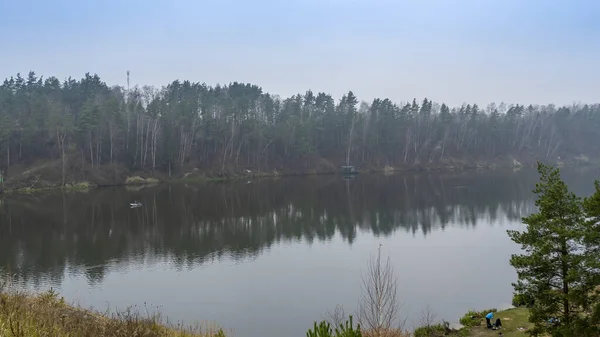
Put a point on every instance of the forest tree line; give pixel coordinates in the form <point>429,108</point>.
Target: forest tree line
<point>186,124</point>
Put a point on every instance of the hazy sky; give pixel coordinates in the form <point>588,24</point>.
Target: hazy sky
<point>525,51</point>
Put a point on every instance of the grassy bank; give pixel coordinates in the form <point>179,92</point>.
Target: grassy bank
<point>514,324</point>
<point>47,314</point>
<point>26,315</point>
<point>190,177</point>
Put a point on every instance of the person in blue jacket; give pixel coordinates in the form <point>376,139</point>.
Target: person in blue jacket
<point>488,319</point>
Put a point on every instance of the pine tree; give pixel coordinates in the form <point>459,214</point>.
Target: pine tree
<point>554,269</point>
<point>591,323</point>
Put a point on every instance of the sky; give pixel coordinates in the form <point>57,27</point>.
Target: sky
<point>452,51</point>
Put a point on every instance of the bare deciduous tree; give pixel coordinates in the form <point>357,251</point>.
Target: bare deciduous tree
<point>428,320</point>
<point>337,316</point>
<point>379,307</point>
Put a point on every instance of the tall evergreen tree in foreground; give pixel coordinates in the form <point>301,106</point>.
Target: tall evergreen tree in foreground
<point>591,206</point>
<point>559,266</point>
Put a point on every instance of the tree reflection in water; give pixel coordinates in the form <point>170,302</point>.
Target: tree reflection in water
<point>44,236</point>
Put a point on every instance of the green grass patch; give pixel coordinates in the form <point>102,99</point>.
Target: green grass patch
<point>430,331</point>
<point>475,318</point>
<point>439,330</point>
<point>515,323</point>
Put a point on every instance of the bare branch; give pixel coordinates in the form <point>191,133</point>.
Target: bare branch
<point>379,307</point>
<point>428,318</point>
<point>337,316</point>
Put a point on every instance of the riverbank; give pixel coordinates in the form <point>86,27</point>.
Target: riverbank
<point>48,176</point>
<point>515,323</point>
<point>47,314</point>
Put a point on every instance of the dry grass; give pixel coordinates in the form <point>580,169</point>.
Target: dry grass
<point>80,186</point>
<point>387,170</point>
<point>386,333</point>
<point>136,180</point>
<point>26,315</point>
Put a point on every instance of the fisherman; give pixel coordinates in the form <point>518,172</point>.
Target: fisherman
<point>488,319</point>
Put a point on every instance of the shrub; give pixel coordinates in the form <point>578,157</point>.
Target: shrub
<point>521,299</point>
<point>80,186</point>
<point>430,331</point>
<point>386,333</point>
<point>323,329</point>
<point>474,318</point>
<point>347,330</point>
<point>136,180</point>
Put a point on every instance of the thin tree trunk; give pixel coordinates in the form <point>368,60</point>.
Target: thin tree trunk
<point>146,142</point>
<point>565,272</point>
<point>237,155</point>
<point>111,141</point>
<point>350,139</point>
<point>61,143</point>
<point>91,147</point>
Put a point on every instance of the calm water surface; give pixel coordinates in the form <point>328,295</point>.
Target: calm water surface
<point>269,257</point>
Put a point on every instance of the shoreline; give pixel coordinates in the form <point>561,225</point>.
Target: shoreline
<point>48,313</point>
<point>157,179</point>
<point>199,176</point>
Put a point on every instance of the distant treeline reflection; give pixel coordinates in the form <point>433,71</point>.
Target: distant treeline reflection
<point>44,236</point>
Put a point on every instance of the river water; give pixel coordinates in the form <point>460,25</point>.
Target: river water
<point>268,257</point>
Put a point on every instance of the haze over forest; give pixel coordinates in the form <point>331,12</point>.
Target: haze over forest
<point>187,125</point>
<point>294,87</point>
<point>444,107</point>
<point>469,51</point>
